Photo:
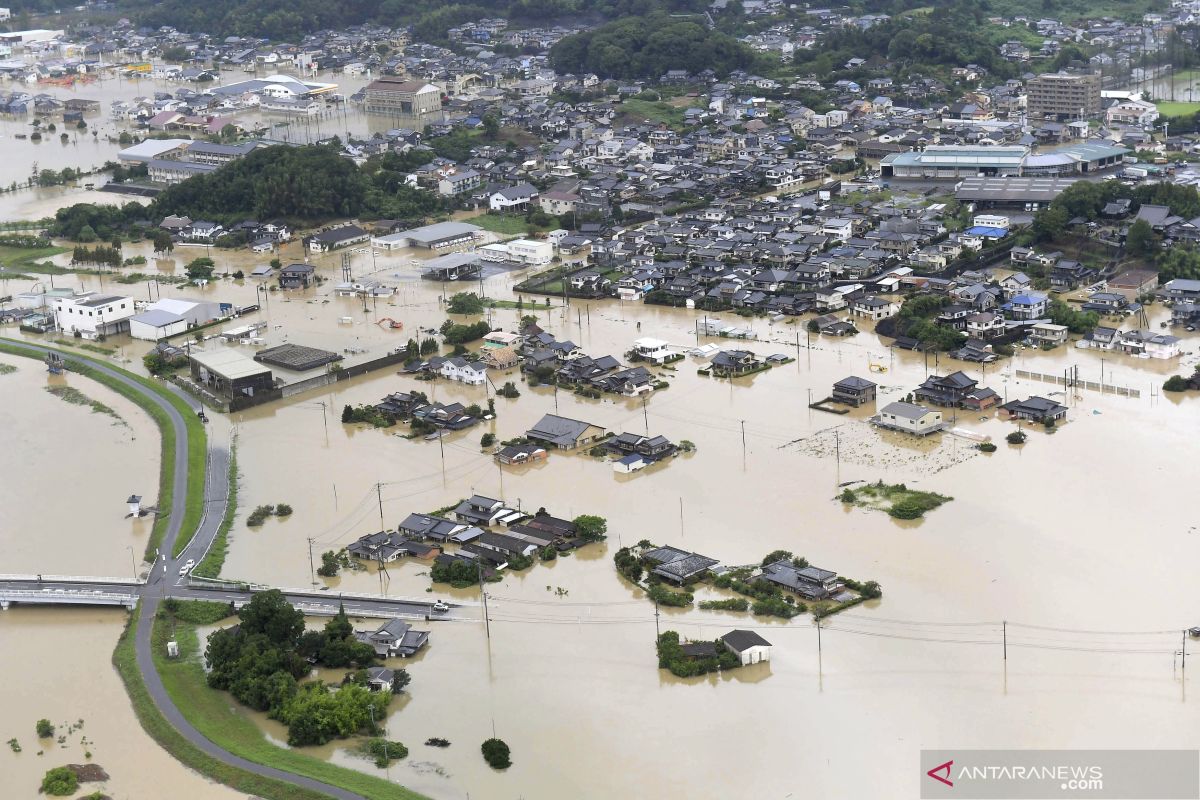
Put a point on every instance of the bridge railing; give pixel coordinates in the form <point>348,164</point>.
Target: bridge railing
<point>47,578</point>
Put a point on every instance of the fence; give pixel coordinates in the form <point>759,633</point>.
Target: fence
<point>1070,380</point>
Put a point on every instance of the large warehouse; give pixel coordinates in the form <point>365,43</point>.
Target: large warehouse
<point>1027,194</point>
<point>949,162</point>
<point>439,236</point>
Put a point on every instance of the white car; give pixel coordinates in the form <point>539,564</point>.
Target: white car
<point>184,569</point>
<point>440,607</point>
<point>191,562</point>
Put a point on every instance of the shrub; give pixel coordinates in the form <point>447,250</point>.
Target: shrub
<point>548,553</point>
<point>435,741</point>
<point>283,510</point>
<point>496,754</point>
<point>509,390</point>
<point>987,447</point>
<point>44,729</point>
<point>1175,383</point>
<point>60,781</point>
<point>384,751</point>
<point>732,604</point>
<point>1016,437</point>
<point>487,440</point>
<point>906,508</point>
<point>847,495</point>
<point>259,515</point>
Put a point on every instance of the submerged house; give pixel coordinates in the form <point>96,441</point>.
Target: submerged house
<point>394,638</point>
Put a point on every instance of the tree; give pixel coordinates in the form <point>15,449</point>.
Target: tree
<point>44,729</point>
<point>200,268</point>
<point>400,679</point>
<point>1176,383</point>
<point>330,564</point>
<point>590,527</point>
<point>347,413</point>
<point>162,241</point>
<point>60,781</point>
<point>86,234</point>
<point>270,614</point>
<point>487,440</point>
<point>1140,239</point>
<point>1050,223</point>
<point>491,126</point>
<point>465,303</point>
<point>496,753</point>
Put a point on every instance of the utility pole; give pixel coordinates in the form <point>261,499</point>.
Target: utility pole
<point>743,440</point>
<point>1004,632</point>
<point>311,571</point>
<point>645,415</point>
<point>442,450</point>
<point>819,651</point>
<point>837,447</point>
<point>657,630</point>
<point>1184,649</point>
<point>325,417</point>
<point>379,497</point>
<point>487,622</point>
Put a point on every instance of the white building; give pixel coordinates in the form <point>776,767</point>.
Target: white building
<point>169,316</point>
<point>522,251</point>
<point>530,251</point>
<point>5,14</point>
<point>991,221</point>
<point>92,314</point>
<point>910,418</point>
<point>459,369</point>
<point>748,646</point>
<point>653,350</point>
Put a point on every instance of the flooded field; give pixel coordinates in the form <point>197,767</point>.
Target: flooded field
<point>1086,533</point>
<point>69,470</point>
<point>57,666</point>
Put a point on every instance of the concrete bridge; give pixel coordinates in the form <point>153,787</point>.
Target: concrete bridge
<point>68,590</point>
<point>95,591</point>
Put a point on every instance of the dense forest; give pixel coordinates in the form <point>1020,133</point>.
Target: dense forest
<point>290,20</point>
<point>646,47</point>
<point>301,184</point>
<point>953,37</point>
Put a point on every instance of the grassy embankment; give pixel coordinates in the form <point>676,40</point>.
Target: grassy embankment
<point>210,566</point>
<point>171,740</point>
<point>214,714</point>
<point>197,443</point>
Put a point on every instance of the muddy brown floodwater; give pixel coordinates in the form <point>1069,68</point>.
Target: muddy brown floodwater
<point>57,665</point>
<point>1091,528</point>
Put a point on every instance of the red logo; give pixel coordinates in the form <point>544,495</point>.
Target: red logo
<point>943,768</point>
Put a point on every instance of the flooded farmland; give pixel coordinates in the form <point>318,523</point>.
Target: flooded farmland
<point>1081,541</point>
<point>57,666</point>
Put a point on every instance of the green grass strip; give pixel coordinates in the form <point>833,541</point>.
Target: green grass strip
<point>171,740</point>
<point>214,560</point>
<point>214,715</point>
<point>197,447</point>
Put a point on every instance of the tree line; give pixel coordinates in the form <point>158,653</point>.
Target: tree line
<point>261,660</point>
<point>648,46</point>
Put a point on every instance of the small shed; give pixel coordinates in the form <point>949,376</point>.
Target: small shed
<point>630,463</point>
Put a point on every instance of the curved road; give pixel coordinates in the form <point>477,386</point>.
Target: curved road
<point>216,495</point>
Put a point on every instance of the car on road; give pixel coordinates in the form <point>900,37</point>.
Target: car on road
<point>440,607</point>
<point>184,569</point>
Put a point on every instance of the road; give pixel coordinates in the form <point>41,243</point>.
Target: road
<point>217,496</point>
<point>311,602</point>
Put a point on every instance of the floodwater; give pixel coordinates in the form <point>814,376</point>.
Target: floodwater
<point>90,149</point>
<point>1086,529</point>
<point>68,473</point>
<point>58,666</point>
